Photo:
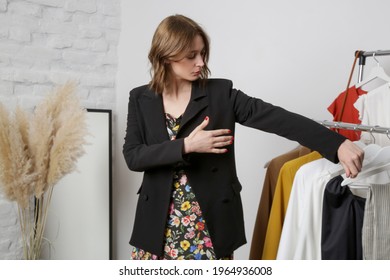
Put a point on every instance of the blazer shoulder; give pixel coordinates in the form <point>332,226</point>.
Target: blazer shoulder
<point>220,83</point>
<point>140,90</point>
<point>219,89</point>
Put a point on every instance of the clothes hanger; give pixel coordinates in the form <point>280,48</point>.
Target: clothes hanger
<point>359,186</point>
<point>268,162</point>
<point>372,135</point>
<point>381,157</point>
<point>376,73</point>
<point>378,163</point>
<point>367,173</point>
<point>370,152</point>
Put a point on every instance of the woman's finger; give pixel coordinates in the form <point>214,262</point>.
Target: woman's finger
<point>223,141</point>
<point>220,132</point>
<point>219,151</point>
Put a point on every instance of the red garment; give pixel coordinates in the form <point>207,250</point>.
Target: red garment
<point>350,115</point>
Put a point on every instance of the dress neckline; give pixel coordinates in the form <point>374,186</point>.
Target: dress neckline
<point>168,115</point>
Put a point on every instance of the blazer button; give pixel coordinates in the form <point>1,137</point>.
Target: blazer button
<point>214,169</point>
<point>145,197</point>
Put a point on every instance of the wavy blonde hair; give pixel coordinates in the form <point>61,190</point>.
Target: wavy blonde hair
<point>174,36</point>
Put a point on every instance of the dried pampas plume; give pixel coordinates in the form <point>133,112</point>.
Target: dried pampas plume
<point>36,152</point>
<point>57,137</point>
<point>16,170</point>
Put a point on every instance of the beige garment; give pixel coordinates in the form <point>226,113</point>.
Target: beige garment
<point>376,223</point>
<point>280,203</point>
<point>266,199</point>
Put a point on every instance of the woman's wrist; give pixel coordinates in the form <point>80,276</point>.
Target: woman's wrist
<point>186,149</point>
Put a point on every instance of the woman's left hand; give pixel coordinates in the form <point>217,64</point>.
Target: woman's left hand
<point>351,158</point>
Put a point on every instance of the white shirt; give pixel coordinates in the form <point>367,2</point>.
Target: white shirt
<point>374,110</point>
<point>301,233</point>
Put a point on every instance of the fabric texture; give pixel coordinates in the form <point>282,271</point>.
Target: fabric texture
<point>186,235</point>
<point>350,114</point>
<point>342,222</point>
<point>376,223</point>
<point>374,110</point>
<point>301,233</point>
<point>280,203</point>
<point>267,195</point>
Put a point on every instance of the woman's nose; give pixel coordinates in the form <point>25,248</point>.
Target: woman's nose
<point>200,61</point>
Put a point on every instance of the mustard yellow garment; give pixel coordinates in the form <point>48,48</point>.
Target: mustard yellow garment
<point>267,195</point>
<point>280,203</point>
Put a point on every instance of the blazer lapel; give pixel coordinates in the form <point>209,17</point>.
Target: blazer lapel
<point>153,112</point>
<point>198,102</point>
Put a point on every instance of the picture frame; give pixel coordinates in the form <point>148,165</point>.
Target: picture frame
<point>79,224</point>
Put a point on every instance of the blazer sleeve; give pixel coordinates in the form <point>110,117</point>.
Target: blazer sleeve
<point>139,155</point>
<point>256,113</point>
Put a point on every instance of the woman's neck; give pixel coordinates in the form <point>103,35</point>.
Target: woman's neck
<point>176,98</point>
<point>177,89</point>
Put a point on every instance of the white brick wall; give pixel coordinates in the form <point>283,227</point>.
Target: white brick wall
<point>10,239</point>
<point>44,43</point>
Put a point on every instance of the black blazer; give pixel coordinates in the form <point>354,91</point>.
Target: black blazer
<point>212,177</point>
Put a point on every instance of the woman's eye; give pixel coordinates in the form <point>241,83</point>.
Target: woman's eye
<point>191,56</point>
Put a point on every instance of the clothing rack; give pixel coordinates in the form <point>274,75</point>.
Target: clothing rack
<point>362,59</point>
<point>353,126</point>
<point>361,127</point>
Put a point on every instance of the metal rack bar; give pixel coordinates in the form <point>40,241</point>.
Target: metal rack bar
<point>362,59</point>
<point>353,126</point>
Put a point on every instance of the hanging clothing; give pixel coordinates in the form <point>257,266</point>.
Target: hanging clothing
<point>342,222</point>
<point>267,195</point>
<point>186,236</point>
<point>374,110</point>
<point>376,223</point>
<point>301,233</point>
<point>350,113</point>
<point>280,203</point>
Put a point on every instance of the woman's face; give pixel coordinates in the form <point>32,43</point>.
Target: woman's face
<point>188,66</point>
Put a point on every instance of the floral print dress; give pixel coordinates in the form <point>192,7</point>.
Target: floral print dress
<point>186,235</point>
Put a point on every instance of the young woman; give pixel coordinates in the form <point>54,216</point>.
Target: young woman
<point>180,133</point>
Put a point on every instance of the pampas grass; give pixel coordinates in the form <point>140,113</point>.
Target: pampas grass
<point>36,152</point>
<point>16,170</point>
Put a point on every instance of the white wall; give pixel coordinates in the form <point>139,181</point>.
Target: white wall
<point>44,43</point>
<point>296,54</point>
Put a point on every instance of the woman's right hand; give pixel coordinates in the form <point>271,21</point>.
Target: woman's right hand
<point>207,141</point>
<point>351,158</point>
